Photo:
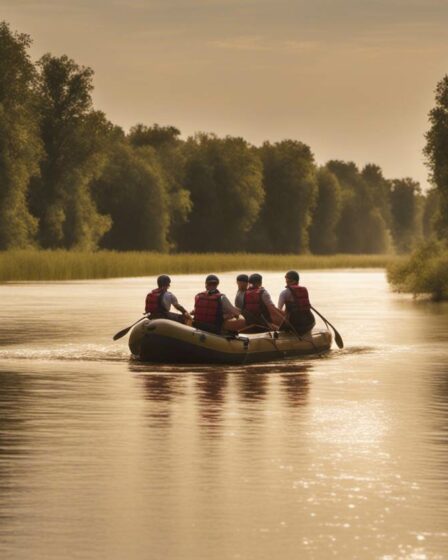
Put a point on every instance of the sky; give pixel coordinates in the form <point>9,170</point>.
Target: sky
<point>353,79</point>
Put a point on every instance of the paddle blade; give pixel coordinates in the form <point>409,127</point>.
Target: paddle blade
<point>121,333</point>
<point>125,331</point>
<point>338,339</point>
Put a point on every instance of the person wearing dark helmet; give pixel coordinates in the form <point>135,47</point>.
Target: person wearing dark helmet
<point>242,281</point>
<point>159,301</point>
<point>258,308</point>
<point>296,300</point>
<point>213,312</point>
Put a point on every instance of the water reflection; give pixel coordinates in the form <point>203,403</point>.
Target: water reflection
<point>13,398</point>
<point>253,386</point>
<point>342,457</point>
<point>210,389</point>
<point>159,387</point>
<point>296,387</point>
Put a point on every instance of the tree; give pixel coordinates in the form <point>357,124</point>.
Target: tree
<point>155,136</point>
<point>75,138</point>
<point>20,146</point>
<point>170,151</point>
<point>224,178</point>
<point>291,189</point>
<point>431,213</point>
<point>436,151</point>
<point>379,189</point>
<point>323,239</point>
<point>406,214</point>
<point>132,192</point>
<point>361,227</point>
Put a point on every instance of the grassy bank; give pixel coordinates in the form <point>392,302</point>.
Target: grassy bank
<point>73,265</point>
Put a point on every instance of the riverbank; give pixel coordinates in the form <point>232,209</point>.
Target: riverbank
<point>33,265</point>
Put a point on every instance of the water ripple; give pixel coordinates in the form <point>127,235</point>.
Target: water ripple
<point>68,352</point>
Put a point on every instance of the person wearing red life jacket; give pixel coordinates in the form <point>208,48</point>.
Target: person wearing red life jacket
<point>159,301</point>
<point>213,312</point>
<point>297,303</point>
<point>258,308</point>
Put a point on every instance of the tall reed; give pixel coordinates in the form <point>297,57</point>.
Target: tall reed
<point>31,265</point>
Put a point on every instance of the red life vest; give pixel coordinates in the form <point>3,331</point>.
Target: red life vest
<point>208,308</point>
<point>252,302</point>
<point>154,301</point>
<point>301,299</point>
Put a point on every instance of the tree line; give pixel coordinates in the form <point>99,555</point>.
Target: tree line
<point>69,178</point>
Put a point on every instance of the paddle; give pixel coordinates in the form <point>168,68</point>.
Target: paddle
<point>337,336</point>
<point>126,330</point>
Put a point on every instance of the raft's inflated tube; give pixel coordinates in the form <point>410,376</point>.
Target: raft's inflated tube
<point>165,341</point>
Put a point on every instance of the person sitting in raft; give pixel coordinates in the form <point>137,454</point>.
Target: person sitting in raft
<point>298,307</point>
<point>258,308</point>
<point>242,281</point>
<point>213,312</point>
<point>159,301</point>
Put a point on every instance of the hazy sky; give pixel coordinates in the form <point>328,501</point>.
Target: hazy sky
<point>354,79</point>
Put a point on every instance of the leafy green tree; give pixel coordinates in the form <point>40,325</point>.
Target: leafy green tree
<point>379,189</point>
<point>156,136</point>
<point>170,150</point>
<point>323,239</point>
<point>431,213</point>
<point>436,151</point>
<point>224,178</point>
<point>291,190</point>
<point>75,138</point>
<point>406,214</point>
<point>131,190</point>
<point>361,227</point>
<point>20,146</point>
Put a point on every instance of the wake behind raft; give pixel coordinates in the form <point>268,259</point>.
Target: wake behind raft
<point>164,341</point>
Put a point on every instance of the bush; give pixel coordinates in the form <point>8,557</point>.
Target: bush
<point>424,272</point>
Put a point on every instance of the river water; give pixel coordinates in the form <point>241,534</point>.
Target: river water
<point>344,456</point>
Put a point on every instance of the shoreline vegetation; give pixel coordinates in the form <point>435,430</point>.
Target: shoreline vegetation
<point>96,201</point>
<point>38,265</point>
<point>425,272</point>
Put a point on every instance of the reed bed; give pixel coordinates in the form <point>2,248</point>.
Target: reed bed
<point>34,265</point>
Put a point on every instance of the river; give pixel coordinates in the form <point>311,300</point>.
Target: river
<point>343,456</point>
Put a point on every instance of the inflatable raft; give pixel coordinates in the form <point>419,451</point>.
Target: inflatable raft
<point>166,341</point>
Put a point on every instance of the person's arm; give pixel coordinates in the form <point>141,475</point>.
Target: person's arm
<point>228,309</point>
<point>281,300</point>
<point>179,307</point>
<point>237,300</point>
<point>266,298</point>
<point>277,316</point>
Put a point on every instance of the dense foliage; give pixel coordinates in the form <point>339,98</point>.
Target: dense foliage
<point>70,179</point>
<point>20,145</point>
<point>426,270</point>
